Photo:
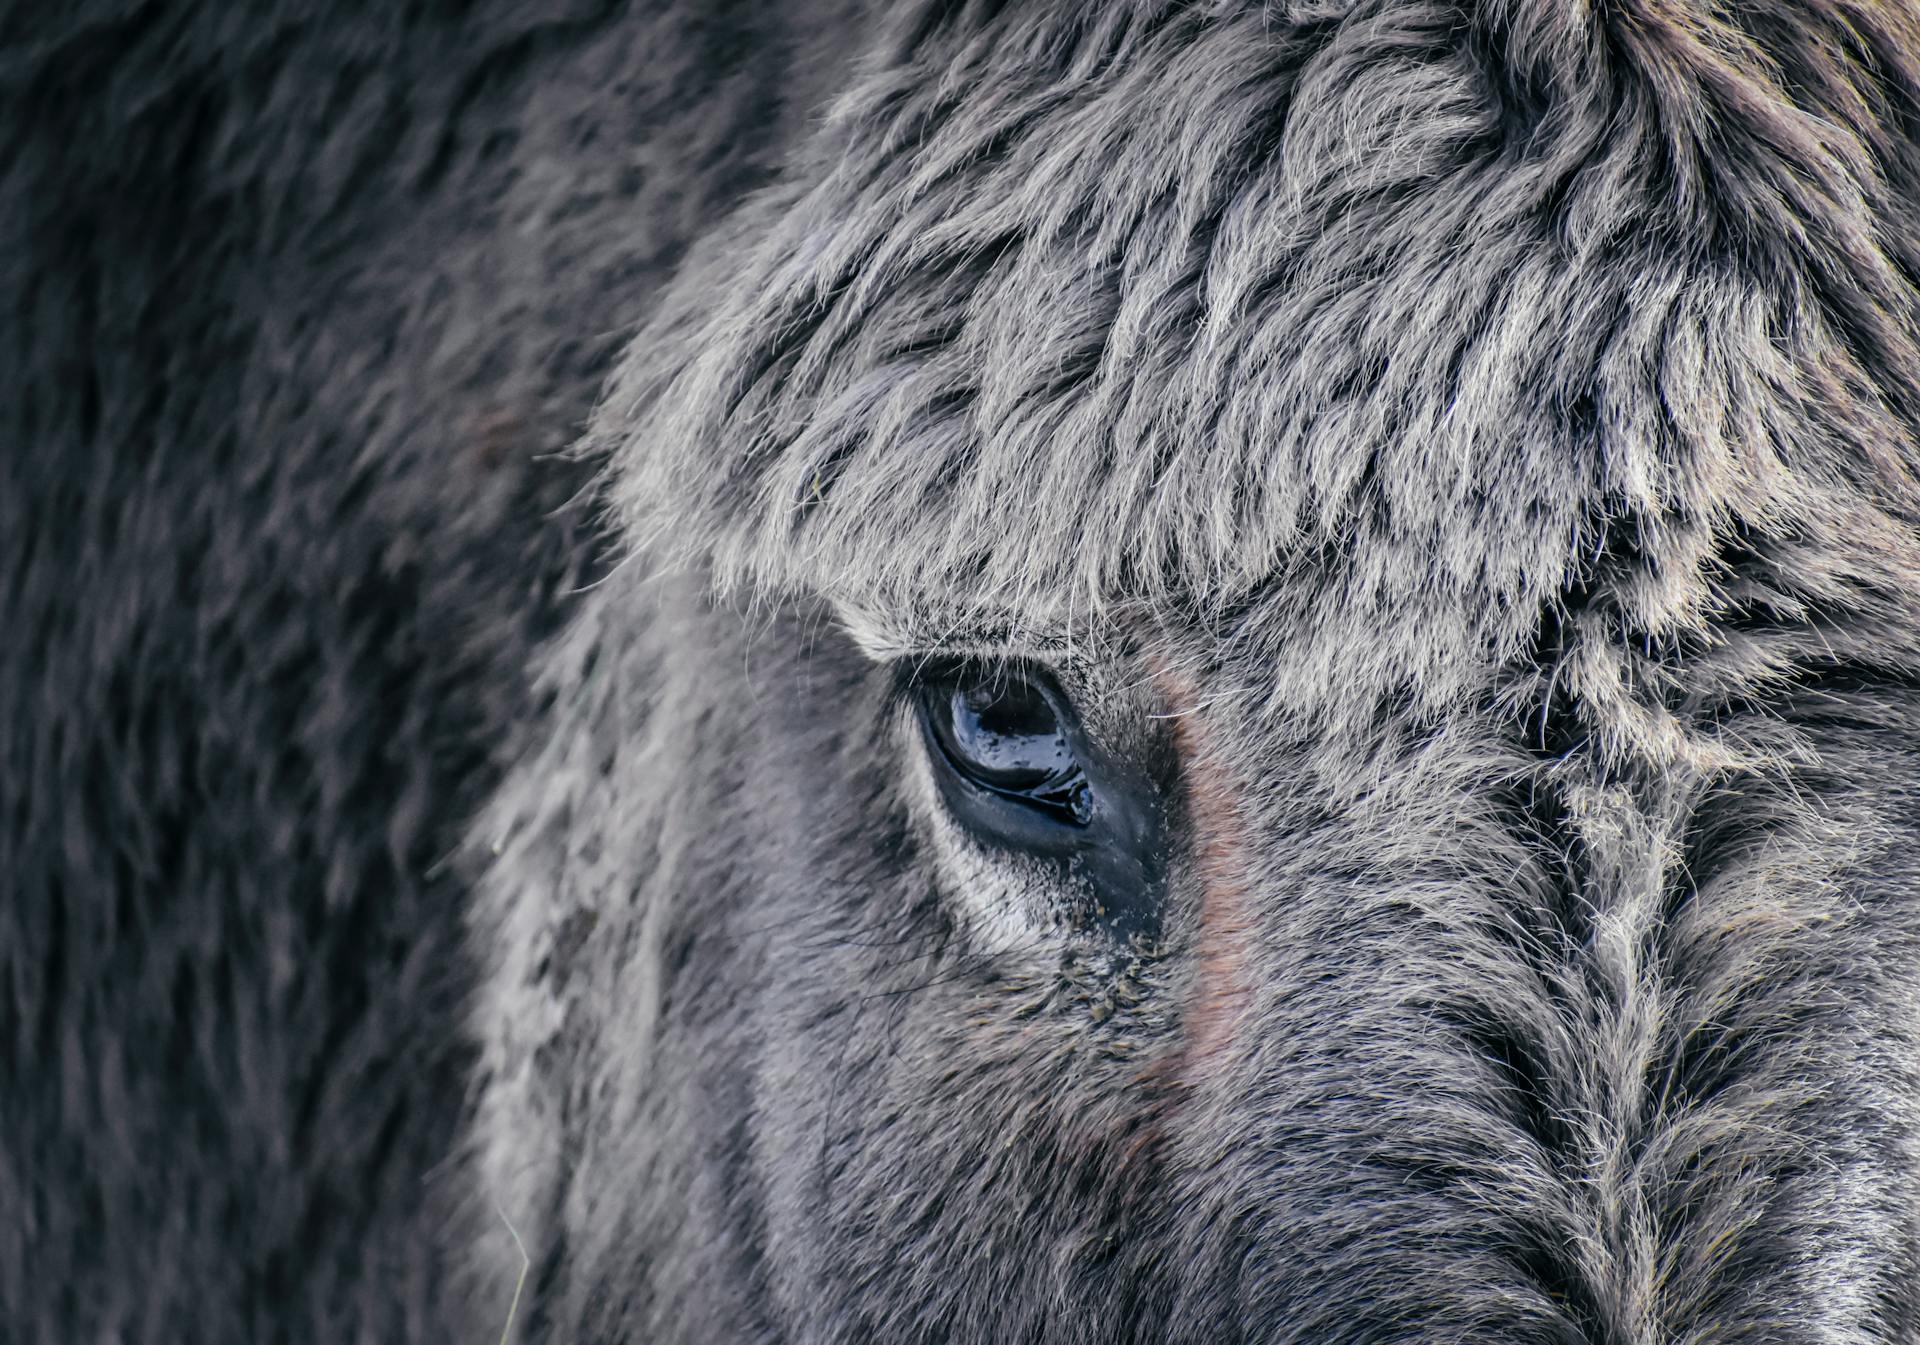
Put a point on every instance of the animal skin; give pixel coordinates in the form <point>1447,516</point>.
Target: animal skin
<point>491,492</point>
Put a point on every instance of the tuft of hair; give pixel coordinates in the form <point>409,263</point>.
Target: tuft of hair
<point>1076,307</point>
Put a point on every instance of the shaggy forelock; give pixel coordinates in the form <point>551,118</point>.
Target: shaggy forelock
<point>1428,303</point>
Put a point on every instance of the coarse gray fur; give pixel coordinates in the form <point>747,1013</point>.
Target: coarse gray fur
<point>1473,446</point>
<point>1488,433</point>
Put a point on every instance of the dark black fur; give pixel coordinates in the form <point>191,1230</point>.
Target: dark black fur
<point>298,304</point>
<point>1475,448</point>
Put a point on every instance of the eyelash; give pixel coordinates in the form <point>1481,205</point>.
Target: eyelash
<point>908,679</point>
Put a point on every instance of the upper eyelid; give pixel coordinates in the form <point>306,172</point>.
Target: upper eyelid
<point>911,673</point>
<point>984,656</point>
<point>885,642</point>
<point>910,678</point>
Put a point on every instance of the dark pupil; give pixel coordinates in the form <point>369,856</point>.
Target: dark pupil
<point>1009,739</point>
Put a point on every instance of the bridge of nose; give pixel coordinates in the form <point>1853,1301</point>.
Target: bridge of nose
<point>1365,1006</point>
<point>1325,850</point>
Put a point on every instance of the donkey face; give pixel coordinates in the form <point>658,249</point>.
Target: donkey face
<point>1266,692</point>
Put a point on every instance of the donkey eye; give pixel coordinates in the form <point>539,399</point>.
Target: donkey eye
<point>1015,768</point>
<point>1008,742</point>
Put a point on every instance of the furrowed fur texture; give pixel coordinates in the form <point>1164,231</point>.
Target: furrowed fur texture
<point>1485,434</point>
<point>1470,453</point>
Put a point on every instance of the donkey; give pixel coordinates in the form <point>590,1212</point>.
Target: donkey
<point>1266,691</point>
<point>1246,672</point>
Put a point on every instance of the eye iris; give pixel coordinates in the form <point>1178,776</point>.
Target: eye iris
<point>1009,739</point>
<point>1012,738</point>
